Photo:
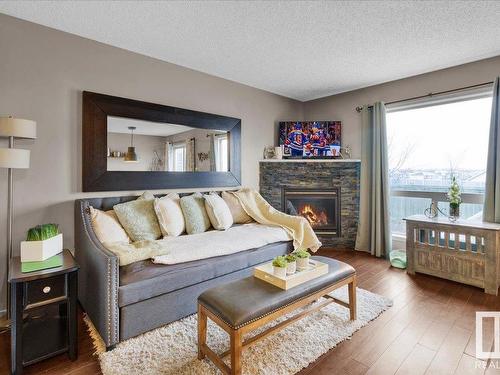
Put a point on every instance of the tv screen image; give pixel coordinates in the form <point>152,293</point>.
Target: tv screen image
<point>310,139</point>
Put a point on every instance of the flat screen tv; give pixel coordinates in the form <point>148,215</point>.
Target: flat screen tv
<point>310,139</point>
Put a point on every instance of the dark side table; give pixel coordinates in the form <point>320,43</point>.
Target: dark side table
<point>43,312</point>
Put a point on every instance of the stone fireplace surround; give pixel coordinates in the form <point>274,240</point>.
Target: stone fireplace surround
<point>276,175</point>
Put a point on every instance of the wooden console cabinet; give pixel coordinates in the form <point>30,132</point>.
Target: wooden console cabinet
<point>464,251</point>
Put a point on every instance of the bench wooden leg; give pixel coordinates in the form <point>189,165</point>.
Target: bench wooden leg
<point>202,331</point>
<point>352,298</point>
<point>236,348</point>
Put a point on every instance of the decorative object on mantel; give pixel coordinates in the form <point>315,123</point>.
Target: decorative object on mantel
<point>345,152</point>
<point>455,199</point>
<point>13,158</point>
<point>278,152</point>
<point>269,152</point>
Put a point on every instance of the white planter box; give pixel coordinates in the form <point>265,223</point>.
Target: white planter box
<point>302,263</point>
<point>37,251</point>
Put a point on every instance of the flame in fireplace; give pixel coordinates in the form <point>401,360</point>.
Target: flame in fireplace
<point>314,216</point>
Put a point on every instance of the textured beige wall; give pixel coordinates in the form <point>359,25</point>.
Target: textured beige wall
<point>342,106</point>
<point>42,74</point>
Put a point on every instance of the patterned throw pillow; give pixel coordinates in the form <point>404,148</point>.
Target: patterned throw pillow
<point>106,226</point>
<point>138,218</point>
<point>239,214</point>
<point>169,212</point>
<point>195,214</point>
<point>218,211</point>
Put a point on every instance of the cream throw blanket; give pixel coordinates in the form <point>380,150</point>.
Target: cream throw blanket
<point>262,212</point>
<point>186,248</point>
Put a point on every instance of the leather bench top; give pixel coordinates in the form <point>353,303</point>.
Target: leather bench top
<point>243,301</point>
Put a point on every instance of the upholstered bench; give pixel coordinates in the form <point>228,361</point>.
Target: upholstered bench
<point>247,304</point>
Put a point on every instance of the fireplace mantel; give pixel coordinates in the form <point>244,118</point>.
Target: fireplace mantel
<point>310,161</point>
<point>279,175</point>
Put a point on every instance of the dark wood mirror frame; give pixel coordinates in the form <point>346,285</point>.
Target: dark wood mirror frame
<point>96,177</point>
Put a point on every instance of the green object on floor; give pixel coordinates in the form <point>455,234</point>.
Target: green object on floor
<point>52,262</point>
<point>398,258</point>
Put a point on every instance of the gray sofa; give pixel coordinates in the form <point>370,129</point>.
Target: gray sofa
<point>123,302</point>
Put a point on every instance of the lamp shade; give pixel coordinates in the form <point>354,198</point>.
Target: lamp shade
<point>131,156</point>
<point>17,127</point>
<point>14,158</point>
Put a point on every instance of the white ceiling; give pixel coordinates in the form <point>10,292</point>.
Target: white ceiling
<point>121,124</point>
<point>303,50</point>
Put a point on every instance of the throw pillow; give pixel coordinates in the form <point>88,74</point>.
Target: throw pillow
<point>239,214</point>
<point>195,214</point>
<point>169,212</point>
<point>218,211</point>
<point>138,218</point>
<point>107,227</point>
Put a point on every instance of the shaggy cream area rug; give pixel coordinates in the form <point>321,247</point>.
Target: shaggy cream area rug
<point>172,349</point>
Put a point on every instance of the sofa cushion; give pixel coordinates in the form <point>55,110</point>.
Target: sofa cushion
<point>138,218</point>
<point>218,211</point>
<point>107,227</point>
<point>143,280</point>
<point>239,214</point>
<point>195,214</point>
<point>170,216</point>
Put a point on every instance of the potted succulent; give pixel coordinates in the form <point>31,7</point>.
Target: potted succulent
<point>454,196</point>
<point>279,266</point>
<point>291,264</point>
<point>302,259</point>
<point>42,242</point>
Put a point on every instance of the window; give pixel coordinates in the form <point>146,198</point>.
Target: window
<point>430,142</point>
<point>179,157</point>
<point>221,153</point>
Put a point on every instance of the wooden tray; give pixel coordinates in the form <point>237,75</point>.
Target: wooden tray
<point>265,272</point>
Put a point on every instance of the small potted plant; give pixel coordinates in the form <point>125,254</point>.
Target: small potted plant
<point>302,259</point>
<point>291,264</point>
<point>454,196</point>
<point>42,242</point>
<point>279,266</point>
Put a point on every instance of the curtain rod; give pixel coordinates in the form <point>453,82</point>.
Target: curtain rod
<point>360,108</point>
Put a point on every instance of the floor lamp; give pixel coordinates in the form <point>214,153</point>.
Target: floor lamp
<point>12,158</point>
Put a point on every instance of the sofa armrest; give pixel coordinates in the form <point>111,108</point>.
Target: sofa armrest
<point>98,278</point>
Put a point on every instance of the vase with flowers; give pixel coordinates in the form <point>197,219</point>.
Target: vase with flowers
<point>454,197</point>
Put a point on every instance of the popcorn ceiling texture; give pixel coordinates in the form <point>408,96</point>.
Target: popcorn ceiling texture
<point>172,349</point>
<point>302,50</point>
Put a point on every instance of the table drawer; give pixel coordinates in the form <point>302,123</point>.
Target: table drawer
<point>45,290</point>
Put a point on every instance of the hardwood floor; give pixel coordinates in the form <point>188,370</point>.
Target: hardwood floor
<point>429,330</point>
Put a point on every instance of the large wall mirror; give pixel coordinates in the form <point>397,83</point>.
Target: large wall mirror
<point>132,145</point>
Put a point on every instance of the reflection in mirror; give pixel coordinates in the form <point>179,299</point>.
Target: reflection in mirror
<point>137,145</point>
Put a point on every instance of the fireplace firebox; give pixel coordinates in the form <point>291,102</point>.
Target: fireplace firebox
<point>321,207</point>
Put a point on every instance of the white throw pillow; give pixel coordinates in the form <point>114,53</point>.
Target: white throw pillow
<point>218,211</point>
<point>170,216</point>
<point>107,227</point>
<point>239,214</point>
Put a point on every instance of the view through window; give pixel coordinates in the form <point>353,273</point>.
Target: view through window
<point>427,146</point>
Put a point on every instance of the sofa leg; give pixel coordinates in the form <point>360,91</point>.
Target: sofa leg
<point>110,348</point>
